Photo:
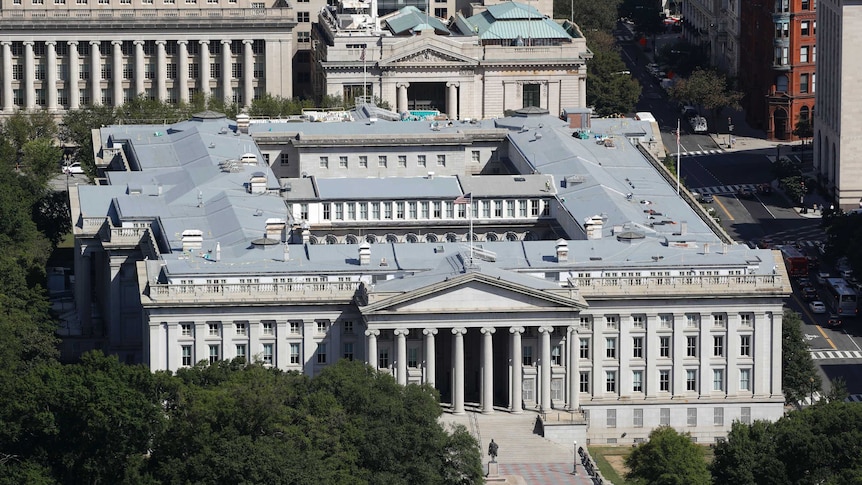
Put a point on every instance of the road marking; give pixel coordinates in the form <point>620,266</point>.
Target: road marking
<point>729,217</point>
<point>816,325</point>
<point>852,339</point>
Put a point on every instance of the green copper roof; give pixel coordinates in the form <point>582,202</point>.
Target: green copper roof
<point>512,20</point>
<point>411,19</point>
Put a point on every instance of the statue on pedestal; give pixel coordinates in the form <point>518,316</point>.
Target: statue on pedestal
<point>492,451</point>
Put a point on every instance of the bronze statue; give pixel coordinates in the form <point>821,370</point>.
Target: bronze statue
<point>492,451</point>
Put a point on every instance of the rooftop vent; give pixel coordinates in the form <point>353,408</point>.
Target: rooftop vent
<point>257,183</point>
<point>562,250</point>
<point>192,239</point>
<point>365,254</point>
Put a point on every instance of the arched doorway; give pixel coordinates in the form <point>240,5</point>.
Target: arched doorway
<point>779,123</point>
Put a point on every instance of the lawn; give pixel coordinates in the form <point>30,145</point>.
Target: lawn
<point>610,460</point>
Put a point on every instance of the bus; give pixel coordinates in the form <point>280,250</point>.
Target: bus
<point>841,297</point>
<point>795,261</point>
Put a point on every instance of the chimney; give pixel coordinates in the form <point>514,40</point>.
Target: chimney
<point>242,122</point>
<point>562,251</point>
<point>275,229</point>
<point>364,254</point>
<point>593,227</point>
<point>192,239</point>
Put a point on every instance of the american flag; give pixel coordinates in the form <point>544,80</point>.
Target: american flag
<point>464,199</point>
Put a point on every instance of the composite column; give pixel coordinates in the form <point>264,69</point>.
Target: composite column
<point>430,356</point>
<point>205,68</point>
<point>140,73</point>
<point>29,76</point>
<point>402,96</point>
<point>487,369</point>
<point>183,70</point>
<point>516,404</point>
<point>452,100</point>
<point>8,101</point>
<point>545,404</point>
<point>574,368</point>
<point>117,67</point>
<point>74,75</point>
<point>248,72</point>
<point>226,90</point>
<point>51,87</point>
<point>95,74</point>
<point>161,71</point>
<point>458,370</point>
<point>371,357</point>
<point>401,355</point>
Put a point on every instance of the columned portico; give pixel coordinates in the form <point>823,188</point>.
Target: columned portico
<point>516,405</point>
<point>487,370</point>
<point>458,370</point>
<point>371,355</point>
<point>401,355</point>
<point>545,401</point>
<point>430,358</point>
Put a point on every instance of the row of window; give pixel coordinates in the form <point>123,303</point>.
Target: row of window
<point>664,417</point>
<point>107,96</point>
<point>267,354</point>
<point>129,47</point>
<point>128,71</point>
<point>718,349</point>
<point>664,380</point>
<point>666,320</point>
<point>806,29</point>
<point>260,5</point>
<point>418,210</point>
<point>267,327</point>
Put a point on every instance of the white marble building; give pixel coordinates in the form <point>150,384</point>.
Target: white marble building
<point>637,312</point>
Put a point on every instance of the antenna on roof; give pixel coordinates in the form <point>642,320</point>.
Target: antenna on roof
<point>200,198</point>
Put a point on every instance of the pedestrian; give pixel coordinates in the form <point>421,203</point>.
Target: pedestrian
<point>814,208</point>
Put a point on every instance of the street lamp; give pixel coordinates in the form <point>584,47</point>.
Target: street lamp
<point>575,460</point>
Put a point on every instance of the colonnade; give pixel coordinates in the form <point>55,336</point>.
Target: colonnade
<point>73,80</point>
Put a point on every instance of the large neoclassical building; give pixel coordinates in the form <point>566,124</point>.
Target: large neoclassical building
<point>509,264</point>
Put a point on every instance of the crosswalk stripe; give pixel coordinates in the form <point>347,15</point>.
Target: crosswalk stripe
<point>835,354</point>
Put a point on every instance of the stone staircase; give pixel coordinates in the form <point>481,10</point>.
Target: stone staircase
<point>514,433</point>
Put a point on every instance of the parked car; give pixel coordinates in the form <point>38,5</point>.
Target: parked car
<point>73,168</point>
<point>698,124</point>
<point>745,193</point>
<point>817,306</point>
<point>809,294</point>
<point>804,281</point>
<point>833,320</point>
<point>821,277</point>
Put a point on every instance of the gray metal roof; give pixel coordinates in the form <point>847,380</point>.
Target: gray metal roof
<point>435,187</point>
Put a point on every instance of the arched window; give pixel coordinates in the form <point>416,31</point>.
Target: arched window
<point>804,113</point>
<point>431,237</point>
<point>331,239</point>
<point>351,239</point>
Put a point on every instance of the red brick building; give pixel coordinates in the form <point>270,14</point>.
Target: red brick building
<point>777,64</point>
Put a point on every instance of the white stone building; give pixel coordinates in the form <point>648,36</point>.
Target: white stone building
<point>628,308</point>
<point>837,127</point>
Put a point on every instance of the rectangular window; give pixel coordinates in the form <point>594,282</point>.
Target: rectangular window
<point>363,161</point>
<point>664,417</point>
<point>557,390</point>
<point>718,417</point>
<point>240,328</point>
<point>387,210</point>
<point>664,380</point>
<point>321,353</point>
<point>637,381</point>
<point>322,326</point>
<point>584,382</point>
<point>241,351</point>
<point>498,208</point>
<point>803,54</point>
<point>437,212</point>
<point>342,162</point>
<point>522,208</point>
<point>806,4</point>
<point>611,347</point>
<point>474,156</point>
<point>214,354</point>
<point>803,83</point>
<point>612,322</point>
<point>441,160</point>
<point>267,354</point>
<point>194,70</point>
<point>691,415</point>
<point>351,211</point>
<point>745,415</point>
<point>665,321</point>
<point>804,27</point>
<point>215,71</point>
<point>187,355</point>
<point>383,359</point>
<point>294,353</point>
<point>639,321</point>
<point>719,320</point>
<point>399,210</point>
<point>402,161</point>
<point>412,357</point>
<point>556,355</point>
<point>420,160</point>
<point>510,209</point>
<point>381,161</point>
<point>611,381</point>
<point>171,71</point>
<point>303,17</point>
<point>691,346</point>
<point>584,348</point>
<point>638,418</point>
<point>744,379</point>
<point>611,421</point>
<point>268,328</point>
<point>339,211</point>
<point>213,329</point>
<point>692,320</point>
<point>531,95</point>
<point>324,162</point>
<point>664,346</point>
<point>295,327</point>
<point>327,211</point>
<point>718,346</point>
<point>375,210</point>
<point>745,345</point>
<point>527,355</point>
<point>637,347</point>
<point>690,380</point>
<point>186,329</point>
<point>718,379</point>
<point>348,350</point>
<point>236,70</point>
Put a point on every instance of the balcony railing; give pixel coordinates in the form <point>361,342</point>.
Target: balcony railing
<point>288,293</point>
<point>100,15</point>
<point>776,284</point>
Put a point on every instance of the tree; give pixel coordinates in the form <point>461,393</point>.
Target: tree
<point>748,456</point>
<point>590,15</point>
<point>610,88</point>
<point>799,375</point>
<point>668,458</point>
<point>707,89</point>
<point>76,131</point>
<point>803,128</point>
<point>41,157</point>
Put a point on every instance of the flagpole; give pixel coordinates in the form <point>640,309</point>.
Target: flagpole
<point>677,156</point>
<point>470,236</point>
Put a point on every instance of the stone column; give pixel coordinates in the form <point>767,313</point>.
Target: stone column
<point>582,89</point>
<point>545,402</point>
<point>8,97</point>
<point>51,85</point>
<point>430,356</point>
<point>140,72</point>
<point>452,100</point>
<point>573,368</point>
<point>652,350</point>
<point>205,68</point>
<point>401,355</point>
<point>678,352</point>
<point>161,71</point>
<point>226,91</point>
<point>117,66</point>
<point>776,320</point>
<point>488,369</point>
<point>402,96</point>
<point>705,354</point>
<point>248,72</point>
<point>516,406</point>
<point>74,75</point>
<point>183,70</point>
<point>458,367</point>
<point>732,348</point>
<point>95,74</point>
<point>371,356</point>
<point>29,76</point>
<point>762,371</point>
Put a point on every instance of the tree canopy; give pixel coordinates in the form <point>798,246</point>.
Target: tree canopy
<point>667,458</point>
<point>610,87</point>
<point>707,89</point>
<point>799,376</point>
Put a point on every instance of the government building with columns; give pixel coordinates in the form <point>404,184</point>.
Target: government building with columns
<point>521,269</point>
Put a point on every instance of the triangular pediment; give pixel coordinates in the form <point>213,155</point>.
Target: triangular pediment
<point>425,55</point>
<point>477,293</point>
